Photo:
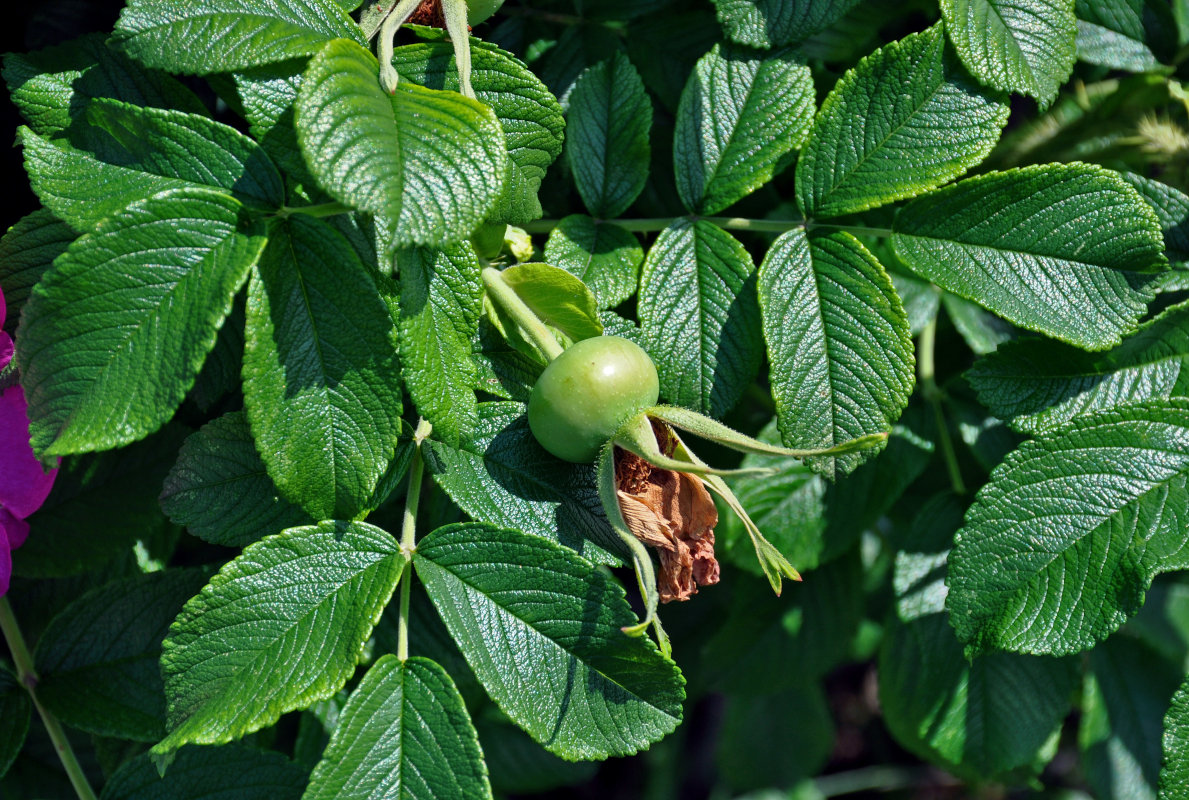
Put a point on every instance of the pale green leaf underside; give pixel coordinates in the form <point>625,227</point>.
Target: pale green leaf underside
<point>1135,35</point>
<point>1052,248</point>
<point>431,163</point>
<point>739,116</point>
<point>541,629</point>
<point>699,316</point>
<point>773,23</point>
<point>838,343</point>
<point>228,35</point>
<point>1174,771</point>
<point>602,255</point>
<point>279,627</point>
<point>403,733</point>
<point>1061,545</point>
<point>904,120</point>
<point>1025,46</point>
<point>101,371</point>
<point>321,375</point>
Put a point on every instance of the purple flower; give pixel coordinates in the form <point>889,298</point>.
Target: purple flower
<point>24,485</point>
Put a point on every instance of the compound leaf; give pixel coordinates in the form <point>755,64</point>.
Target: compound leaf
<point>603,255</point>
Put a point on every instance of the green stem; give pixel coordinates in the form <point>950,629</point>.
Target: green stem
<point>500,293</point>
<point>654,224</point>
<point>408,537</point>
<point>933,395</point>
<point>28,678</point>
<point>320,210</point>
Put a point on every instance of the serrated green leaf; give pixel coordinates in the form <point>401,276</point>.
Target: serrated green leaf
<point>699,318</point>
<point>1126,693</point>
<point>209,773</point>
<point>27,250</point>
<point>1052,248</point>
<point>503,371</point>
<point>904,120</point>
<point>775,739</point>
<point>15,712</point>
<point>529,114</point>
<point>321,378</point>
<point>1174,770</point>
<point>1075,524</point>
<point>740,114</point>
<point>772,23</point>
<point>279,627</point>
<point>602,255</point>
<point>219,489</point>
<point>404,733</point>
<point>608,124</point>
<point>440,299</point>
<point>541,628</point>
<point>220,373</point>
<point>404,157</point>
<point>1135,35</point>
<point>268,95</point>
<point>1172,209</point>
<point>97,660</point>
<point>1027,47</point>
<point>52,87</point>
<point>838,341</point>
<point>1038,385</point>
<point>502,476</point>
<point>228,35</point>
<point>982,330</point>
<point>99,372</point>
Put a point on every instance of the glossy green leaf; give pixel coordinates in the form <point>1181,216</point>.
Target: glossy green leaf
<point>529,114</point>
<point>404,733</point>
<point>100,372</point>
<point>1174,770</point>
<point>209,773</point>
<point>219,489</point>
<point>97,661</point>
<point>268,95</point>
<point>227,35</point>
<point>838,341</point>
<point>904,120</point>
<point>321,378</point>
<point>699,317</point>
<point>52,87</point>
<point>1061,545</point>
<point>541,628</point>
<point>1036,385</point>
<point>1135,35</point>
<point>440,299</point>
<point>772,23</point>
<point>1026,47</point>
<point>602,255</point>
<point>608,124</point>
<point>740,115</point>
<point>399,157</point>
<point>279,627</point>
<point>1172,209</point>
<point>503,371</point>
<point>27,250</point>
<point>15,712</point>
<point>1050,247</point>
<point>502,476</point>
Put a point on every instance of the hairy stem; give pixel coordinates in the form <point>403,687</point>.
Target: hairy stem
<point>933,395</point>
<point>654,224</point>
<point>384,44</point>
<point>28,678</point>
<point>408,537</point>
<point>502,295</point>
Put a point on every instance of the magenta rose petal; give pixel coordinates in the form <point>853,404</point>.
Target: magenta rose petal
<point>13,533</point>
<point>24,485</point>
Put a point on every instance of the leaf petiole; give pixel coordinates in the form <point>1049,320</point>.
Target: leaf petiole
<point>408,536</point>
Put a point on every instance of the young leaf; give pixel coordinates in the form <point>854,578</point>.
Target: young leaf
<point>699,319</point>
<point>556,297</point>
<point>602,255</point>
<point>1174,770</point>
<point>1037,385</point>
<point>228,35</point>
<point>1025,47</point>
<point>97,660</point>
<point>773,23</point>
<point>321,378</point>
<point>15,712</point>
<point>528,113</point>
<point>541,628</point>
<point>1135,35</point>
<point>99,372</point>
<point>236,770</point>
<point>405,158</point>
<point>1052,248</point>
<point>740,115</point>
<point>27,250</point>
<point>54,86</point>
<point>277,628</point>
<point>220,491</point>
<point>838,343</point>
<point>404,733</point>
<point>502,476</point>
<point>904,120</point>
<point>1061,545</point>
<point>440,299</point>
<point>609,121</point>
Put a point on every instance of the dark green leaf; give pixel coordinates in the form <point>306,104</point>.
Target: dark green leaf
<point>1174,770</point>
<point>1135,35</point>
<point>982,330</point>
<point>541,628</point>
<point>904,120</point>
<point>210,773</point>
<point>268,95</point>
<point>772,23</point>
<point>404,733</point>
<point>519,765</point>
<point>775,739</point>
<point>1172,209</point>
<point>503,371</point>
<point>15,712</point>
<point>27,250</point>
<point>603,255</point>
